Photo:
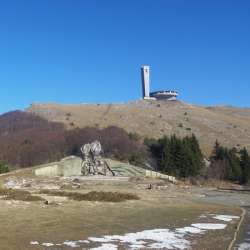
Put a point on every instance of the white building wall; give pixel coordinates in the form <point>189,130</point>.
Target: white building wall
<point>145,81</point>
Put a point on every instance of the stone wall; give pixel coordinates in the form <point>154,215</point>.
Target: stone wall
<point>154,174</point>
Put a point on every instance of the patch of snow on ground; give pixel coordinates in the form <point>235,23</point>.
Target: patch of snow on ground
<point>244,246</point>
<point>153,239</point>
<point>84,241</point>
<point>106,247</point>
<point>191,230</point>
<point>164,238</point>
<point>209,226</point>
<point>95,239</point>
<point>226,218</point>
<point>34,243</point>
<point>71,243</point>
<point>203,216</point>
<point>47,244</point>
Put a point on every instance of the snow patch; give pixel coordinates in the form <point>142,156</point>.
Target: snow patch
<point>47,244</point>
<point>164,238</point>
<point>209,226</point>
<point>203,216</point>
<point>84,241</point>
<point>226,218</point>
<point>71,243</point>
<point>106,247</point>
<point>34,243</point>
<point>244,246</point>
<point>152,239</point>
<point>95,239</point>
<point>191,230</point>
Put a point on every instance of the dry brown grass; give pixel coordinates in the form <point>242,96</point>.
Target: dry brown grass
<point>20,195</point>
<point>227,124</point>
<point>93,196</point>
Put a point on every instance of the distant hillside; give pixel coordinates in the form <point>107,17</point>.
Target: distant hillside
<point>27,139</point>
<point>230,125</point>
<point>15,121</point>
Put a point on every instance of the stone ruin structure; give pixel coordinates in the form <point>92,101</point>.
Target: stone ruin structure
<point>92,161</point>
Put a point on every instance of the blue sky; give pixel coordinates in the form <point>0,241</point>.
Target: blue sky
<point>74,51</point>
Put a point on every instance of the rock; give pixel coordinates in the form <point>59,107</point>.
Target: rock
<point>76,180</point>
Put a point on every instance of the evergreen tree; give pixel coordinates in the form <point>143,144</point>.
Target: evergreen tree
<point>245,166</point>
<point>234,165</point>
<point>226,163</point>
<point>4,168</point>
<point>218,152</point>
<point>176,156</point>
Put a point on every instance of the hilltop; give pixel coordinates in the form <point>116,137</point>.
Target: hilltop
<point>230,125</point>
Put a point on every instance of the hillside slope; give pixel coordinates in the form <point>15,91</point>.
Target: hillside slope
<point>231,126</point>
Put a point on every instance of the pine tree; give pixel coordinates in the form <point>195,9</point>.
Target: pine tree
<point>176,156</point>
<point>218,152</point>
<point>226,162</point>
<point>234,165</point>
<point>245,166</point>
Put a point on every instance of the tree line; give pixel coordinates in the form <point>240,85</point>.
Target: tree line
<point>230,164</point>
<point>27,140</point>
<point>182,157</point>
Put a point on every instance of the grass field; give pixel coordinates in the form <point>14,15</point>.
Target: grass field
<point>23,222</point>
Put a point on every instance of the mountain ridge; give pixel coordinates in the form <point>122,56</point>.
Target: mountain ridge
<point>229,125</point>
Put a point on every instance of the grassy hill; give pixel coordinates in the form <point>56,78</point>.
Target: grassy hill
<point>230,125</point>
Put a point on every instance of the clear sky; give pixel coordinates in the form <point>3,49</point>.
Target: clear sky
<point>75,51</point>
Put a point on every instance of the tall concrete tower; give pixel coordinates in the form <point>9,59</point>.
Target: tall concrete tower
<point>145,81</point>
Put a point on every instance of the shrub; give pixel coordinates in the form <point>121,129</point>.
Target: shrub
<point>93,196</point>
<point>134,136</point>
<point>20,195</point>
<point>180,125</point>
<point>137,159</point>
<point>4,168</point>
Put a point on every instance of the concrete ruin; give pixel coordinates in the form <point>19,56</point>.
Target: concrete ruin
<point>69,166</point>
<point>93,164</point>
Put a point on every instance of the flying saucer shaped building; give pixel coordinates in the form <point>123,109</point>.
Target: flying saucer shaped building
<point>168,95</point>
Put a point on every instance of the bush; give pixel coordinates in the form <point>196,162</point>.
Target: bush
<point>137,159</point>
<point>20,195</point>
<point>93,196</point>
<point>4,168</point>
<point>134,136</point>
